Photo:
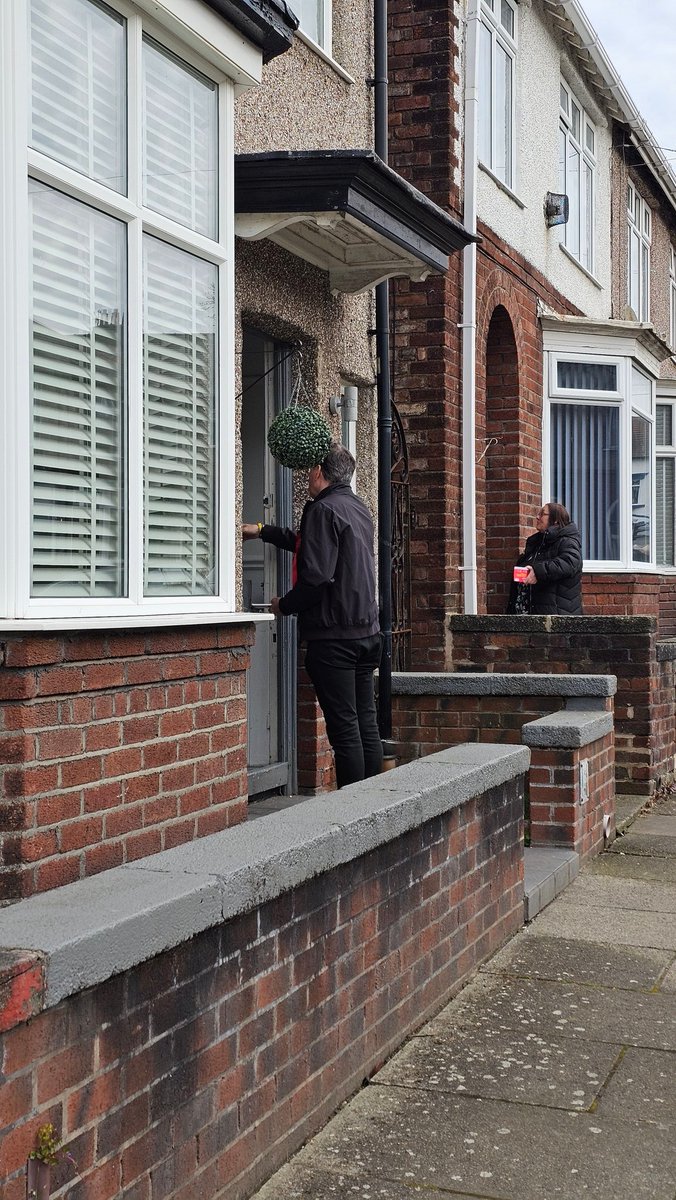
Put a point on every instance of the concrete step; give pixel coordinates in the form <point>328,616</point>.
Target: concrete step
<point>547,871</point>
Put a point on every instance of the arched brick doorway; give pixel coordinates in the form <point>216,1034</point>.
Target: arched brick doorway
<point>501,459</point>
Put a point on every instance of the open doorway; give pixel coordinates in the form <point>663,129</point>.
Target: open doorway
<point>267,497</point>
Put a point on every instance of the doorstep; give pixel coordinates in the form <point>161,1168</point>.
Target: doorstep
<point>547,871</point>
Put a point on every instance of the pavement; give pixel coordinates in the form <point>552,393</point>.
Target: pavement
<point>551,1075</point>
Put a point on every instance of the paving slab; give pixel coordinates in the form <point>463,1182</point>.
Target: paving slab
<point>656,822</point>
<point>631,866</point>
<point>668,984</point>
<point>498,1064</point>
<point>561,1010</point>
<point>571,961</point>
<point>634,894</point>
<point>485,1148</point>
<point>612,926</point>
<point>305,1183</point>
<point>643,1088</point>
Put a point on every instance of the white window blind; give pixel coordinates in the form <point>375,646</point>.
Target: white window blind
<point>665,499</point>
<point>641,487</point>
<point>180,141</point>
<point>180,320</point>
<point>78,292</point>
<point>585,473</point>
<point>78,67</point>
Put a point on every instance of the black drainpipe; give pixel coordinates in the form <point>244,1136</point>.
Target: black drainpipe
<point>384,398</point>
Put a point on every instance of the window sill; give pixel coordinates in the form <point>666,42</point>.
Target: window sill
<point>578,264</point>
<point>504,187</point>
<point>136,621</point>
<point>331,62</point>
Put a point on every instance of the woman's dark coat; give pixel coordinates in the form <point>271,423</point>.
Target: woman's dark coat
<point>556,558</point>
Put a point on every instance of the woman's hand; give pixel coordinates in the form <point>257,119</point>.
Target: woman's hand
<point>249,532</point>
<point>531,577</point>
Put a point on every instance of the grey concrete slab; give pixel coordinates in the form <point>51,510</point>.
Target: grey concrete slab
<point>632,866</point>
<point>499,1064</point>
<point>547,872</point>
<point>598,892</point>
<point>569,728</point>
<point>622,927</point>
<point>643,1088</point>
<point>656,822</point>
<point>305,1183</point>
<point>561,1010</point>
<point>493,1149</point>
<point>627,809</point>
<point>644,844</point>
<point>668,983</point>
<point>100,926</point>
<point>666,807</point>
<point>569,961</point>
<point>500,683</point>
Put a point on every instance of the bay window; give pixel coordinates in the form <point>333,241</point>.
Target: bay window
<point>497,61</point>
<point>124,420</point>
<point>602,464</point>
<point>665,491</point>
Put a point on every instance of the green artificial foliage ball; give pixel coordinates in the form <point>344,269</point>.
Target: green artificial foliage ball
<point>299,438</point>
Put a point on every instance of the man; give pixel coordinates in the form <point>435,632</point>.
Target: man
<point>334,595</point>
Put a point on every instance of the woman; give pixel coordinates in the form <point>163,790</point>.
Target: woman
<point>553,555</point>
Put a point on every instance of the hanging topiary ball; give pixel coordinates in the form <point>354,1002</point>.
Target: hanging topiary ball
<point>299,438</point>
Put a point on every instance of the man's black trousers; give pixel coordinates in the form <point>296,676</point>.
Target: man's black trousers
<point>342,674</point>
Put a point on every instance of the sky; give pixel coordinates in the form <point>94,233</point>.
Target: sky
<point>639,37</point>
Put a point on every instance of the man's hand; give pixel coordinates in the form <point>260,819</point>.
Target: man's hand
<point>249,532</point>
<point>531,577</point>
<point>274,606</point>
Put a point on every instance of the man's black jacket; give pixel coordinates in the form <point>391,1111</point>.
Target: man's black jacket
<point>335,591</point>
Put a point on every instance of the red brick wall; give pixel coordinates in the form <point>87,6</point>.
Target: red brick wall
<point>116,745</point>
<point>425,724</point>
<point>199,1072</point>
<point>557,818</point>
<point>645,720</point>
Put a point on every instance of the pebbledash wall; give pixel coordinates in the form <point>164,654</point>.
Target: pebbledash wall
<point>187,1021</point>
<point>117,745</point>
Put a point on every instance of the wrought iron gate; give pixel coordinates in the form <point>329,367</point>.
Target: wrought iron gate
<point>401,548</point>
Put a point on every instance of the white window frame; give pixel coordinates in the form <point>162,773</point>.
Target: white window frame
<point>672,298</point>
<point>490,19</point>
<point>586,256</point>
<point>621,400</point>
<point>325,40</point>
<point>639,228</point>
<point>18,162</point>
<point>666,451</point>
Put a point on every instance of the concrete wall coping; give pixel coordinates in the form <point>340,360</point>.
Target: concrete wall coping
<point>494,683</point>
<point>461,623</point>
<point>97,927</point>
<point>568,729</point>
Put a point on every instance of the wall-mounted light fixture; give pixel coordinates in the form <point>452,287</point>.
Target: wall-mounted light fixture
<point>556,208</point>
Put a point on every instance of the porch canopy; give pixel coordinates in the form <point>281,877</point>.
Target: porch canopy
<point>346,212</point>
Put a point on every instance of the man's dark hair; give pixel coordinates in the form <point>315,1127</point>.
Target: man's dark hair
<point>558,515</point>
<point>338,466</point>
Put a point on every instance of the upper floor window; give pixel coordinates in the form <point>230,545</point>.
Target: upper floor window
<point>672,297</point>
<point>315,21</point>
<point>121,440</point>
<point>639,219</point>
<point>497,58</point>
<point>577,167</point>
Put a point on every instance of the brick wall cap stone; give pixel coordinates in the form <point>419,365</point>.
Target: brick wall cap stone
<point>103,925</point>
<point>666,650</point>
<point>574,625</point>
<point>493,683</point>
<point>568,729</point>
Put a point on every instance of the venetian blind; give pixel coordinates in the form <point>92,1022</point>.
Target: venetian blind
<point>78,67</point>
<point>585,473</point>
<point>78,293</point>
<point>180,141</point>
<point>665,499</point>
<point>179,338</point>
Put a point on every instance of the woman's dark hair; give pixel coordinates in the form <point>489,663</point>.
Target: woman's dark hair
<point>558,515</point>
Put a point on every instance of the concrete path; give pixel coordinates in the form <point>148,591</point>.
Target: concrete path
<point>552,1074</point>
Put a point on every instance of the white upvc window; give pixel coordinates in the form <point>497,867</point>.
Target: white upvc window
<point>122,467</point>
<point>315,21</point>
<point>672,298</point>
<point>639,234</point>
<point>497,86</point>
<point>665,490</point>
<point>577,171</point>
<point>599,425</point>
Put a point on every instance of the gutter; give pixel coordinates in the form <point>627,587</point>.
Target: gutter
<point>468,324</point>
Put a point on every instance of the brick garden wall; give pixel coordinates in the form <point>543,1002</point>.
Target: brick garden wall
<point>645,703</point>
<point>197,1073</point>
<point>425,724</point>
<point>557,817</point>
<point>114,746</point>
